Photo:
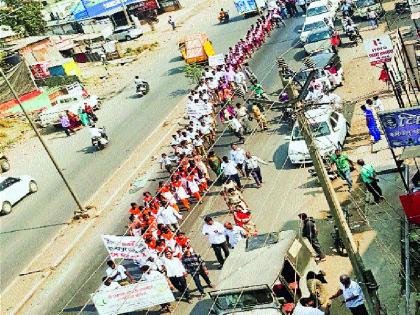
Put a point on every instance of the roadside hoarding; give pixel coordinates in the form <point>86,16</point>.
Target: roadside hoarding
<point>91,8</point>
<point>401,126</point>
<point>245,6</point>
<point>133,297</point>
<point>126,247</point>
<point>379,49</point>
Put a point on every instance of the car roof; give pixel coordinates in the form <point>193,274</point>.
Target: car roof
<point>320,30</point>
<point>319,3</point>
<point>319,114</point>
<point>125,27</point>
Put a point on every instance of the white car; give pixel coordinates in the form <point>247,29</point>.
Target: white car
<point>319,10</point>
<point>329,129</point>
<point>309,27</point>
<point>13,189</point>
<point>126,33</point>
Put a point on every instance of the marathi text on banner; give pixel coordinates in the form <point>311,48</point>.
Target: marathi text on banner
<point>133,297</point>
<point>126,247</point>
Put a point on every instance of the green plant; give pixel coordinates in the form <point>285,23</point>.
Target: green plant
<point>193,72</point>
<point>24,17</point>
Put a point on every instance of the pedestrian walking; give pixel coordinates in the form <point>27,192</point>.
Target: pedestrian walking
<point>237,128</point>
<point>230,171</point>
<point>316,286</point>
<point>342,164</point>
<point>196,268</point>
<point>169,216</point>
<point>237,155</point>
<point>171,22</point>
<point>234,233</point>
<point>368,177</point>
<point>371,124</point>
<point>166,162</point>
<point>215,163</point>
<point>176,273</point>
<point>252,167</point>
<point>373,18</point>
<point>243,116</point>
<point>352,294</point>
<point>311,233</point>
<point>259,117</point>
<point>215,233</point>
<point>302,5</point>
<point>258,89</point>
<point>65,124</point>
<point>242,217</point>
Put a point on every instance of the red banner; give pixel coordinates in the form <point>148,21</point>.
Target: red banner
<point>411,206</point>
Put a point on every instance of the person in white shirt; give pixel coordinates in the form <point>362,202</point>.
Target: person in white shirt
<point>118,273</point>
<point>230,170</point>
<point>331,98</point>
<point>176,273</point>
<point>166,162</point>
<point>237,155</point>
<point>306,307</point>
<point>252,167</point>
<point>240,81</point>
<point>377,104</point>
<point>234,234</point>
<point>353,296</point>
<point>109,285</point>
<point>237,128</point>
<point>169,216</point>
<point>215,233</point>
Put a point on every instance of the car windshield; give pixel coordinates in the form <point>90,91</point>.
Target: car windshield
<point>317,10</point>
<point>316,37</point>
<point>9,181</point>
<point>313,26</point>
<point>320,129</point>
<point>364,3</point>
<point>244,300</point>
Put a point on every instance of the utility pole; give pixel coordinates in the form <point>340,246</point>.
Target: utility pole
<point>127,16</point>
<point>365,277</point>
<point>82,210</point>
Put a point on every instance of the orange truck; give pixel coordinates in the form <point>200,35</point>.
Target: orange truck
<point>196,48</point>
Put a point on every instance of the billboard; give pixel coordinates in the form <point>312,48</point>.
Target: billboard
<point>401,126</point>
<point>379,49</point>
<point>91,8</point>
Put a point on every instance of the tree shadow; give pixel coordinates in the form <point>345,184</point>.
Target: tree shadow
<point>176,70</point>
<point>179,92</point>
<point>176,59</point>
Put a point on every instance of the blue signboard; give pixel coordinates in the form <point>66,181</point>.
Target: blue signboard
<point>401,126</point>
<point>91,8</point>
<point>245,6</point>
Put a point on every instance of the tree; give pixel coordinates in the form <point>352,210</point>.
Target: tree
<point>24,16</point>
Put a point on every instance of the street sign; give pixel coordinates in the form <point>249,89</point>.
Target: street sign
<point>126,247</point>
<point>133,297</point>
<point>401,126</point>
<point>379,49</point>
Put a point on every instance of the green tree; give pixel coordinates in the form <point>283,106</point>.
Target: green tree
<point>24,16</point>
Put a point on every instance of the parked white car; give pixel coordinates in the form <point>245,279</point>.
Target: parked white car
<point>329,129</point>
<point>309,27</point>
<point>319,10</point>
<point>13,189</point>
<point>122,33</point>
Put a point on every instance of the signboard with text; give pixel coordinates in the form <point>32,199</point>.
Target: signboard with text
<point>133,297</point>
<point>401,126</point>
<point>126,247</point>
<point>379,49</point>
<point>216,60</point>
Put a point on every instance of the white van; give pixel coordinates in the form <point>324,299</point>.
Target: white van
<point>329,129</point>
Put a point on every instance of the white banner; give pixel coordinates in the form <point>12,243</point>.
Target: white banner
<point>379,49</point>
<point>133,297</point>
<point>216,60</point>
<point>127,247</point>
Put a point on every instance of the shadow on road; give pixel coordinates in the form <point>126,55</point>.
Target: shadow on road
<point>34,228</point>
<point>179,92</point>
<point>202,307</point>
<point>175,70</point>
<point>88,150</point>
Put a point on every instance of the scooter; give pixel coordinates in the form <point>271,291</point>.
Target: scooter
<point>142,89</point>
<point>354,36</point>
<point>225,19</point>
<point>100,142</point>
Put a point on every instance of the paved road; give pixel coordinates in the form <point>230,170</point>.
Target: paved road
<point>92,255</point>
<point>128,120</point>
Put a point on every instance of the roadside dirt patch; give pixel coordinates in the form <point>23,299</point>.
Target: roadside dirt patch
<point>12,130</point>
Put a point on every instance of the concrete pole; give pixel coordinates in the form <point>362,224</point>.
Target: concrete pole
<point>407,251</point>
<point>70,189</point>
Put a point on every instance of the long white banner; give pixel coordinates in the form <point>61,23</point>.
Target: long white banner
<point>126,247</point>
<point>133,297</point>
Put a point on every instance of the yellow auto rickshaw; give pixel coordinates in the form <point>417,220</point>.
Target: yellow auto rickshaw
<point>196,48</point>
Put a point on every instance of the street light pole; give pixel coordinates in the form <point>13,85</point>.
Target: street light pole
<point>81,210</point>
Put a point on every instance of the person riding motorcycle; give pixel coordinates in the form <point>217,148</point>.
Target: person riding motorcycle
<point>223,16</point>
<point>352,30</point>
<point>138,80</point>
<point>98,133</point>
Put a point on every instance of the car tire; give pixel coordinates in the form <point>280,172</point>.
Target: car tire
<point>128,37</point>
<point>33,187</point>
<point>4,165</point>
<point>6,208</point>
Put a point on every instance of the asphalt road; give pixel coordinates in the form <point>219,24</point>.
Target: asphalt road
<point>87,263</point>
<point>36,219</point>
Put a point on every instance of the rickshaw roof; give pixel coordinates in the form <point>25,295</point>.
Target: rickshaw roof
<point>255,266</point>
<point>198,36</point>
<point>322,60</point>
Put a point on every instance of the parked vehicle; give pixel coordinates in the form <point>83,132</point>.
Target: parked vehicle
<point>329,129</point>
<point>244,291</point>
<point>13,189</point>
<point>319,10</point>
<point>71,102</point>
<point>362,6</point>
<point>196,48</point>
<point>123,33</point>
<point>249,7</point>
<point>4,163</point>
<point>320,41</point>
<point>309,27</point>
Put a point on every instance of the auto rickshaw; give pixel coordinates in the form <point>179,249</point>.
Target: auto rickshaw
<point>196,48</point>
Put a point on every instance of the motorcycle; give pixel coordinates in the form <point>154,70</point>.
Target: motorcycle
<point>142,89</point>
<point>100,142</point>
<point>225,18</point>
<point>354,36</point>
<point>401,7</point>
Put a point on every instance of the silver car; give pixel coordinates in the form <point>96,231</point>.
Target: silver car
<point>126,33</point>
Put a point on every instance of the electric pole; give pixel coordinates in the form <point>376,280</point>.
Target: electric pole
<point>82,210</point>
<point>365,277</point>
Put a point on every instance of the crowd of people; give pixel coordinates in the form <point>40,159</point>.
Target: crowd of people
<point>216,101</point>
<point>71,122</point>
